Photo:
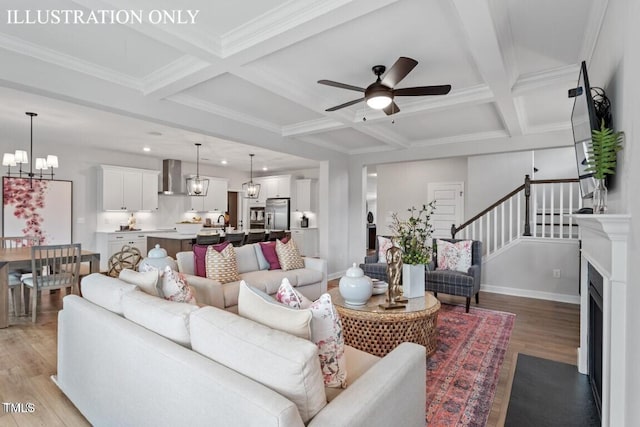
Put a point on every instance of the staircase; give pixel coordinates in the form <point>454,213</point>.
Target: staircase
<point>537,208</point>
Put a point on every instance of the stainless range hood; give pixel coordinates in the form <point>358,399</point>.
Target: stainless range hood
<point>172,181</point>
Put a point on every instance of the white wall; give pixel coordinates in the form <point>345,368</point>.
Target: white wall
<point>403,185</point>
<point>615,66</point>
<point>526,269</point>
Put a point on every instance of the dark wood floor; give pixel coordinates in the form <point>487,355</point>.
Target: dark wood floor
<point>28,355</point>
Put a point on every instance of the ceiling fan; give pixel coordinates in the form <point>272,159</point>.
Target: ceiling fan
<point>379,95</point>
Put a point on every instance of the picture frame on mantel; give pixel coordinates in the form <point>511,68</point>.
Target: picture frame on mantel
<point>34,207</point>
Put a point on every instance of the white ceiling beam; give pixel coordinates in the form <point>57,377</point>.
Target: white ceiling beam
<point>477,22</point>
<point>312,126</point>
<point>534,81</point>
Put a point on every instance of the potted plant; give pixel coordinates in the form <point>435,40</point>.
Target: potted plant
<point>412,236</point>
<point>601,161</point>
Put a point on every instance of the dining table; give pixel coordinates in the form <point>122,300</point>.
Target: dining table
<point>20,258</point>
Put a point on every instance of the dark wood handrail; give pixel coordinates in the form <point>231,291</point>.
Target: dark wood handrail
<point>527,189</point>
<point>553,181</point>
<point>507,197</point>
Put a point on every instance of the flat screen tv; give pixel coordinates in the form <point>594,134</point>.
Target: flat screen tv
<point>583,121</point>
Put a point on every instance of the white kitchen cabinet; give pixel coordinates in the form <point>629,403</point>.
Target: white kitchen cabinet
<point>216,198</point>
<point>150,190</point>
<point>110,243</point>
<point>305,195</point>
<point>128,189</point>
<point>276,186</point>
<point>306,241</point>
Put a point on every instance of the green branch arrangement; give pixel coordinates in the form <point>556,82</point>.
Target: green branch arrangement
<point>412,234</point>
<point>601,156</point>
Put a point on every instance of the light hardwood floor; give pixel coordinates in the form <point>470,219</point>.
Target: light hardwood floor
<point>28,355</point>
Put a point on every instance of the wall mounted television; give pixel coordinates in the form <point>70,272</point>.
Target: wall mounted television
<point>583,121</point>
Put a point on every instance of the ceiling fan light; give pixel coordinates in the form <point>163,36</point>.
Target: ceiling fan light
<point>379,102</point>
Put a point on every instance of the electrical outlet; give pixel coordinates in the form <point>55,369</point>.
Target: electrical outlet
<point>556,273</point>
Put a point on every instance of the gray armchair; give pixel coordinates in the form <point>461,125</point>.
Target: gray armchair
<point>456,282</point>
<point>373,267</point>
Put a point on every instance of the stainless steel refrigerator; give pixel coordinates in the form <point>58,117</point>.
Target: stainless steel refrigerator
<point>276,214</point>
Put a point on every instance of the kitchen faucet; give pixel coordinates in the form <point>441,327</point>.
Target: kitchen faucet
<point>218,220</point>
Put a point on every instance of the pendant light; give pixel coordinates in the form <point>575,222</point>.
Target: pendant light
<point>251,189</point>
<point>197,186</point>
<point>21,157</point>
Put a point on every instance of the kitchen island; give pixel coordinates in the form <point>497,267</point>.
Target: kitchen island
<point>174,242</point>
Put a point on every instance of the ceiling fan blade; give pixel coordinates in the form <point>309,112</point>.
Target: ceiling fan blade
<point>346,104</point>
<point>422,90</point>
<point>399,71</point>
<point>340,85</point>
<point>391,109</point>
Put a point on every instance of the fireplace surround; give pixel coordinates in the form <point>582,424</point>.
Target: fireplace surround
<point>604,251</point>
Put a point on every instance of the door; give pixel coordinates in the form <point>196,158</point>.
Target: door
<point>449,197</point>
<point>232,206</point>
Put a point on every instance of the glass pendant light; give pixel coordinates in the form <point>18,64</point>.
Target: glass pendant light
<point>251,189</point>
<point>197,186</point>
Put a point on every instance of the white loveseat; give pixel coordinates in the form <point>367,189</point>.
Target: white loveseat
<point>126,358</point>
<point>311,280</point>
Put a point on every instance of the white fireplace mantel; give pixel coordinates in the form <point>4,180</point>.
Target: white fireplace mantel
<point>604,246</point>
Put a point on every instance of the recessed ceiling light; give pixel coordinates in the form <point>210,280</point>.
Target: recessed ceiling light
<point>264,168</point>
<point>155,133</point>
<point>224,162</point>
<point>147,149</point>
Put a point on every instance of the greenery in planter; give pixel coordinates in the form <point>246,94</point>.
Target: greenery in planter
<point>412,234</point>
<point>601,156</point>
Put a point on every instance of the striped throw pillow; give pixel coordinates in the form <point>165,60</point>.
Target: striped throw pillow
<point>222,266</point>
<point>288,255</point>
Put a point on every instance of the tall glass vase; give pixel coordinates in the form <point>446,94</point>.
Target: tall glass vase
<point>600,197</point>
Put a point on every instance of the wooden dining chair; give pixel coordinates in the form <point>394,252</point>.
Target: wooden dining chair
<point>15,296</point>
<point>52,267</point>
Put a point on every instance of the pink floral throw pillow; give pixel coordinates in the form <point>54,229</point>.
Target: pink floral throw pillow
<point>290,297</point>
<point>384,244</point>
<point>175,287</point>
<point>454,256</point>
<point>326,332</point>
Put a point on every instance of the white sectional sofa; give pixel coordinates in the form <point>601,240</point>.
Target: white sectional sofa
<point>311,280</point>
<point>126,358</point>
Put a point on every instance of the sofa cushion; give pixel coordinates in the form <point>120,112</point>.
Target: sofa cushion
<point>258,306</point>
<point>454,256</point>
<point>200,257</point>
<point>384,244</point>
<point>175,287</point>
<point>167,318</point>
<point>246,259</point>
<point>147,281</point>
<point>288,255</point>
<point>326,332</point>
<point>222,266</point>
<point>263,264</point>
<point>269,252</point>
<point>186,263</point>
<point>450,278</point>
<point>106,291</point>
<point>280,361</point>
<point>358,362</point>
<point>307,276</point>
<point>269,281</point>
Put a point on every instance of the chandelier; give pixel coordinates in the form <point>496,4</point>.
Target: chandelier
<point>251,189</point>
<point>197,186</point>
<point>21,157</point>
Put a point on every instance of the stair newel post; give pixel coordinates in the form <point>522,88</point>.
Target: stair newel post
<point>527,210</point>
<point>453,231</point>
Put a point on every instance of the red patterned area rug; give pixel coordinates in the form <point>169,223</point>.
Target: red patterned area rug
<point>463,372</point>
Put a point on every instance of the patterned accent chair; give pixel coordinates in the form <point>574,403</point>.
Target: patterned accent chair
<point>456,282</point>
<point>373,267</point>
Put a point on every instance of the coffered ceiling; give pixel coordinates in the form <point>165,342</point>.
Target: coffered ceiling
<point>246,72</point>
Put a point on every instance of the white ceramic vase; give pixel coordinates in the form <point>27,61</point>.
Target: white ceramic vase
<point>355,287</point>
<point>413,280</point>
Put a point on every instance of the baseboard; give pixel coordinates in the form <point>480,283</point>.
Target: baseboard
<point>336,275</point>
<point>528,293</point>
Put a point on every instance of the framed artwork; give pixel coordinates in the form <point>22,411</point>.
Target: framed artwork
<point>34,207</point>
